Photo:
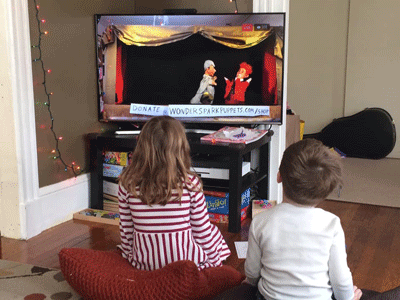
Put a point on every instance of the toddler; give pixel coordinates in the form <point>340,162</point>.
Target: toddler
<point>295,250</point>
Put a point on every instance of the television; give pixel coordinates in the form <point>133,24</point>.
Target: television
<point>199,68</point>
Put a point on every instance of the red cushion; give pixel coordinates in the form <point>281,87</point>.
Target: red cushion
<point>105,275</point>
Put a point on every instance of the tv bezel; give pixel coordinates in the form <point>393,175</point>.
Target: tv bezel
<point>194,122</point>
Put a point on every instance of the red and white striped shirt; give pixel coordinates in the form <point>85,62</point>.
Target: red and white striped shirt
<point>154,236</point>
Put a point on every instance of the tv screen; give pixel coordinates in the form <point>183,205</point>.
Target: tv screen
<point>223,69</point>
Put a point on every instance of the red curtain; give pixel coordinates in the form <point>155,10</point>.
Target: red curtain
<point>269,84</point>
<point>119,85</point>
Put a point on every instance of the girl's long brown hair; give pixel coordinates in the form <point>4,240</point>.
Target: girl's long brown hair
<point>161,162</point>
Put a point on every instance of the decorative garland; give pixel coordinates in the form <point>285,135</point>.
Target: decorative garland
<point>56,153</point>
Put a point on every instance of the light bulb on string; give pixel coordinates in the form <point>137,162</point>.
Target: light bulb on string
<point>236,10</point>
<point>55,153</point>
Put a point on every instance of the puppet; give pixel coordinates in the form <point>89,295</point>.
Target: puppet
<point>206,91</point>
<point>235,89</point>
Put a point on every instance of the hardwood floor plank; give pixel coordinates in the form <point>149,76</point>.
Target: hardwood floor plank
<point>372,242</point>
<point>370,233</point>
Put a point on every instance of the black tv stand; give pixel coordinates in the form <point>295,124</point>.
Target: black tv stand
<point>234,153</point>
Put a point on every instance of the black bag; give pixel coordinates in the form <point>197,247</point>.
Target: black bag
<point>370,133</point>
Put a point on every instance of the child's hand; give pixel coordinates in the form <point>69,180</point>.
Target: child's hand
<point>247,281</point>
<point>357,293</point>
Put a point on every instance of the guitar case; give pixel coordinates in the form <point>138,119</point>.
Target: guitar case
<point>370,133</point>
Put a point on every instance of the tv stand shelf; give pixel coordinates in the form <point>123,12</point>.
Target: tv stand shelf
<point>234,153</point>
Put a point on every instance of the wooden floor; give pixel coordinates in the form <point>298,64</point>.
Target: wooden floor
<point>372,240</point>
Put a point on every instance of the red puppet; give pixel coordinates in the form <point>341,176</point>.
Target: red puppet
<point>235,89</point>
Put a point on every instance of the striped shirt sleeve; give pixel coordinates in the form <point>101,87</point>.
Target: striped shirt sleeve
<point>126,226</point>
<point>206,235</point>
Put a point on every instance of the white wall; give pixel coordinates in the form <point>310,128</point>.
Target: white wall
<point>317,60</point>
<point>344,56</point>
<point>9,186</point>
<point>202,6</point>
<point>373,64</point>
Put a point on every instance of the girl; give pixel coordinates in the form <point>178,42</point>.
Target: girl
<point>163,214</point>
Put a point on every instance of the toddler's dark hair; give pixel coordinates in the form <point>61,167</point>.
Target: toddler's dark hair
<point>310,171</point>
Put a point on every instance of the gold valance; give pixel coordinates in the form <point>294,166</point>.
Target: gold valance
<point>232,36</point>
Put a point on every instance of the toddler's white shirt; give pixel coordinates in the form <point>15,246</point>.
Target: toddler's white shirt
<point>298,253</point>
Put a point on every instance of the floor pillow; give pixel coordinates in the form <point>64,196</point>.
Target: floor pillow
<point>104,275</point>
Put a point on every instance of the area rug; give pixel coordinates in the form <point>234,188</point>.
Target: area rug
<point>370,181</point>
<point>28,282</point>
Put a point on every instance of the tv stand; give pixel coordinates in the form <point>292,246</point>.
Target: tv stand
<point>235,154</point>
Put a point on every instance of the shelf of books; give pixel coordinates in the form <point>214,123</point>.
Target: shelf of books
<point>110,195</point>
<point>113,165</point>
<point>216,191</point>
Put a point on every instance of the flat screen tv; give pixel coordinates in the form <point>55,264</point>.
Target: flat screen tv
<point>202,69</point>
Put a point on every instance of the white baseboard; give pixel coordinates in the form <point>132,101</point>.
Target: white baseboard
<point>56,204</point>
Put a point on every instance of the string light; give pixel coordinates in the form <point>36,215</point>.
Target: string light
<point>236,10</point>
<point>56,153</point>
